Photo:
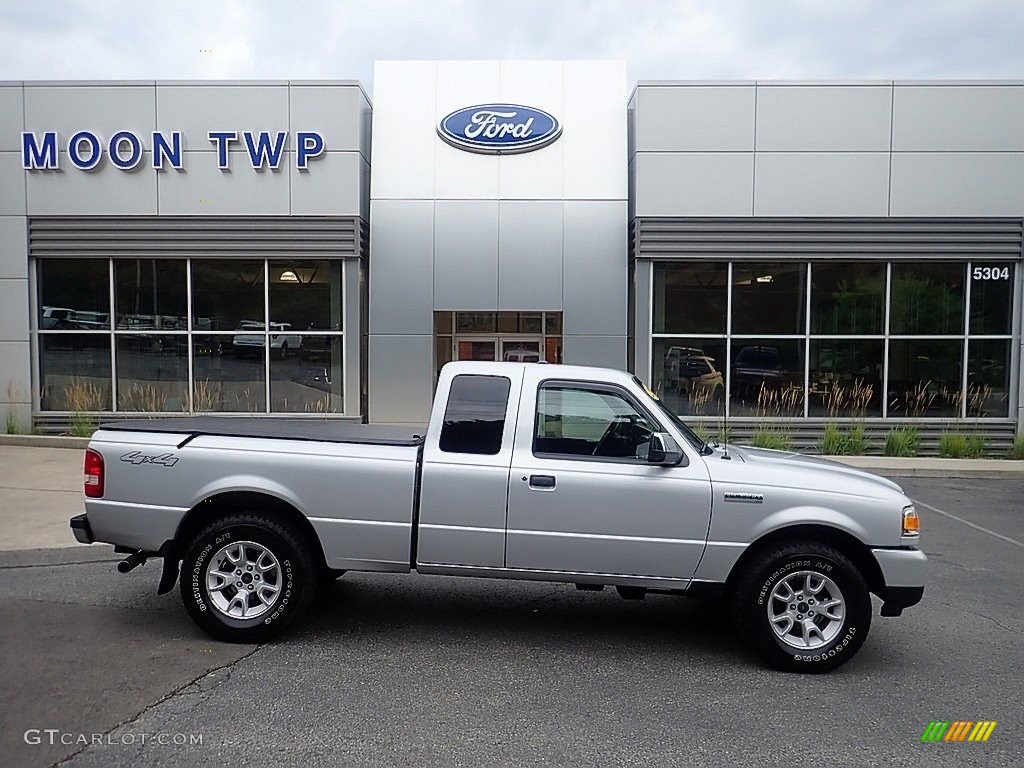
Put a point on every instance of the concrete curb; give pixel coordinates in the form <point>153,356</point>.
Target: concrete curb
<point>929,466</point>
<point>45,441</point>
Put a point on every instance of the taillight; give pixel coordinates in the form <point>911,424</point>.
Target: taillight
<point>93,474</point>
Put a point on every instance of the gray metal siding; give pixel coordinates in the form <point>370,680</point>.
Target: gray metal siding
<point>909,238</point>
<point>236,236</point>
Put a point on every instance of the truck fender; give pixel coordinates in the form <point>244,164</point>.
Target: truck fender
<point>809,515</point>
<point>247,484</point>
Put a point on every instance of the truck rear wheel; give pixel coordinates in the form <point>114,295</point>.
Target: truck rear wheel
<point>246,577</point>
<point>804,606</point>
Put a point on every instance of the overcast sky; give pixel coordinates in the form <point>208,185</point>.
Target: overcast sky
<point>659,39</point>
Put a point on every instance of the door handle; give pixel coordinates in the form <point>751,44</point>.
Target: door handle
<point>542,482</point>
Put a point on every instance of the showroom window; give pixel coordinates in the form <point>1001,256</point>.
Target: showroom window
<point>182,335</point>
<point>833,338</point>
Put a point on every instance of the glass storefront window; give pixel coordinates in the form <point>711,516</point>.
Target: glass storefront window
<point>306,295</point>
<point>689,375</point>
<point>992,298</point>
<point>769,297</point>
<point>152,373</point>
<point>227,377</point>
<point>150,294</point>
<point>767,377</point>
<point>847,298</point>
<point>845,377</point>
<point>226,293</point>
<point>310,381</point>
<point>74,294</point>
<point>988,377</point>
<point>690,298</point>
<point>925,377</point>
<point>74,372</point>
<point>927,299</point>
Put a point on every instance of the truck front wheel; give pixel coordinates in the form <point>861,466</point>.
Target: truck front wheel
<point>246,577</point>
<point>804,606</point>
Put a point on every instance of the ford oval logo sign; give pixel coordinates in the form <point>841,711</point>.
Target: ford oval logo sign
<point>499,129</point>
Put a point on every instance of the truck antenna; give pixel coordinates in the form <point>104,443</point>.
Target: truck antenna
<point>725,430</point>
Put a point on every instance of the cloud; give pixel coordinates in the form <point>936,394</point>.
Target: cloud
<point>695,39</point>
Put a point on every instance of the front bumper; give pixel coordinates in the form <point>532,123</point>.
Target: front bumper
<point>903,570</point>
<point>82,530</point>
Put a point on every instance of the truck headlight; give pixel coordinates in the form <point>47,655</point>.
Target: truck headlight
<point>911,522</point>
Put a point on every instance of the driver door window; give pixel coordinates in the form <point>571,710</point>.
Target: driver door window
<point>574,422</point>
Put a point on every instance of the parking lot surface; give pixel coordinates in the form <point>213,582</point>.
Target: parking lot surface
<point>417,670</point>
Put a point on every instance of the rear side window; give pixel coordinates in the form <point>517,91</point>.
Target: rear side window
<point>475,416</point>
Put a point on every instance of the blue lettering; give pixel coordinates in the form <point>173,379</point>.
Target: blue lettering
<point>309,145</point>
<point>92,160</point>
<point>222,139</point>
<point>171,153</point>
<point>261,153</point>
<point>33,156</point>
<point>114,148</point>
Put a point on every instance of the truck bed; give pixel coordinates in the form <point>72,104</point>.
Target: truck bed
<point>276,428</point>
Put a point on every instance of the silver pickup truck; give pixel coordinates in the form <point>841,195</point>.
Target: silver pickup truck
<point>525,471</point>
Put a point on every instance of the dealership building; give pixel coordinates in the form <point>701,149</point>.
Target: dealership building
<point>761,251</point>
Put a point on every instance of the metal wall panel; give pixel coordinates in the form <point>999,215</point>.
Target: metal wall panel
<point>404,135</point>
<point>198,109</point>
<point>603,351</point>
<point>16,366</point>
<point>694,183</point>
<point>821,184</point>
<point>957,184</point>
<point>105,110</point>
<point>334,187</point>
<point>338,112</point>
<point>904,238</point>
<point>530,255</point>
<point>12,118</point>
<point>14,306</point>
<point>466,254</point>
<point>694,118</point>
<point>13,247</point>
<point>823,118</point>
<point>12,188</point>
<point>965,117</point>
<point>401,267</point>
<point>595,267</point>
<point>204,189</point>
<point>401,378</point>
<point>595,137</point>
<point>103,192</point>
<point>459,174</point>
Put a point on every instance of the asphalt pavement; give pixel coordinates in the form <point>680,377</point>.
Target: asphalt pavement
<point>435,671</point>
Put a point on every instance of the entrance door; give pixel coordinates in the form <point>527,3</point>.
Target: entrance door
<point>517,350</point>
<point>511,349</point>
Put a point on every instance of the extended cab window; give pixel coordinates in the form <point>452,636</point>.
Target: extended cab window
<point>475,415</point>
<point>582,421</point>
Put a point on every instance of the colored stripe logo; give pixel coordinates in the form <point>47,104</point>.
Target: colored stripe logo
<point>958,730</point>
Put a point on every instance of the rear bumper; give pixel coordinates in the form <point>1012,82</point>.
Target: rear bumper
<point>82,530</point>
<point>904,571</point>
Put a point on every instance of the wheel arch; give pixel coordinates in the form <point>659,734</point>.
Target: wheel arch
<point>855,549</point>
<point>222,504</point>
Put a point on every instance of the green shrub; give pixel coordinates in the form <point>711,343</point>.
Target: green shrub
<point>13,427</point>
<point>901,441</point>
<point>1017,451</point>
<point>833,442</point>
<point>82,425</point>
<point>857,440</point>
<point>953,445</point>
<point>836,442</point>
<point>701,430</point>
<point>767,437</point>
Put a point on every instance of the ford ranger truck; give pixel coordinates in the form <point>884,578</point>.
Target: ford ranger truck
<point>525,471</point>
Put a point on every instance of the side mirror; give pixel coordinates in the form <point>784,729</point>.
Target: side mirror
<point>664,450</point>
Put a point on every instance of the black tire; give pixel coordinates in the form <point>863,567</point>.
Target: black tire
<point>298,577</point>
<point>752,599</point>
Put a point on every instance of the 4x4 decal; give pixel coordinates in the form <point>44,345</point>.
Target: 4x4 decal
<point>164,459</point>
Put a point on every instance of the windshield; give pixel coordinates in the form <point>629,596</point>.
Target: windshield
<point>689,434</point>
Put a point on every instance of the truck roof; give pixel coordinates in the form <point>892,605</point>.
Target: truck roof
<point>551,370</point>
